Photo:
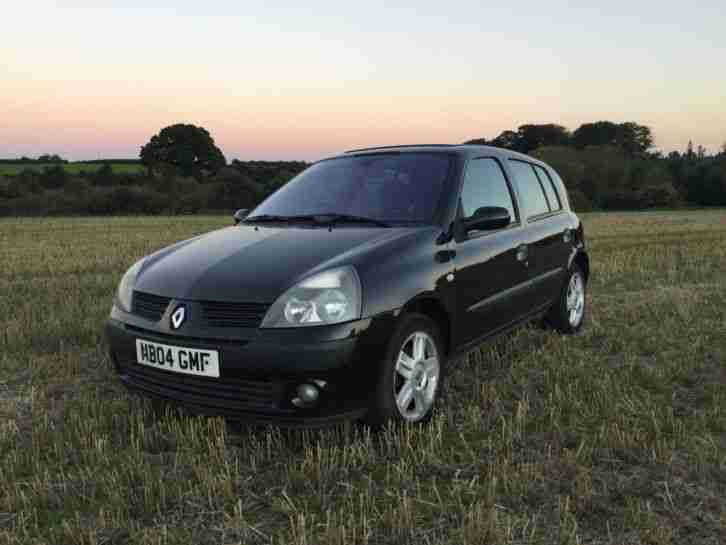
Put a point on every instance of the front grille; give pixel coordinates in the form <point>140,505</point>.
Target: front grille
<point>213,313</point>
<point>223,392</point>
<point>217,314</point>
<point>149,306</point>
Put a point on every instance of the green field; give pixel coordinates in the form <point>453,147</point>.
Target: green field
<point>617,435</point>
<point>11,169</point>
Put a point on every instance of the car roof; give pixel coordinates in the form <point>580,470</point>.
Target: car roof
<point>468,151</point>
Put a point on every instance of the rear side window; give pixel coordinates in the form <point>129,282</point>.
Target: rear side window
<point>485,185</point>
<point>530,190</point>
<point>550,190</point>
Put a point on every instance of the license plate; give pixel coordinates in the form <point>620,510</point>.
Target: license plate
<point>178,359</point>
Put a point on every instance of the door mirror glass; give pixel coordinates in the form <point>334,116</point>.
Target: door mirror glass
<point>487,218</point>
<point>240,215</point>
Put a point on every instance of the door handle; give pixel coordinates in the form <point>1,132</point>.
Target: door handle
<point>522,253</point>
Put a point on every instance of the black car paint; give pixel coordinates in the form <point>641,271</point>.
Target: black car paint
<point>477,286</point>
<point>257,262</point>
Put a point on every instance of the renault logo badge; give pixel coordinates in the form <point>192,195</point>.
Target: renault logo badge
<point>178,317</point>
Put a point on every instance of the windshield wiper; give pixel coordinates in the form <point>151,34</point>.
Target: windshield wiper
<point>271,217</point>
<point>324,219</point>
<point>331,219</point>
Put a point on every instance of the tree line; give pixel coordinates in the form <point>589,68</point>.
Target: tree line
<point>184,173</point>
<point>103,191</point>
<point>605,165</point>
<point>611,166</point>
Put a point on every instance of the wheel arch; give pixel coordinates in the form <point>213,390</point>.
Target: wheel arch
<point>432,307</point>
<point>583,261</point>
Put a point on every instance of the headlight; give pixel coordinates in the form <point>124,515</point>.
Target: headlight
<point>330,297</point>
<point>126,286</point>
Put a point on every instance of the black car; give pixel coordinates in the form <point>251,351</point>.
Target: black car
<point>346,292</point>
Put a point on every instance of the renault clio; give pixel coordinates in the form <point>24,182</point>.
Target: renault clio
<point>348,292</point>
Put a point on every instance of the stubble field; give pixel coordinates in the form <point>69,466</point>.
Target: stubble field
<point>617,435</point>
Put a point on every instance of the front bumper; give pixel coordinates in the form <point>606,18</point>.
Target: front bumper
<point>260,371</point>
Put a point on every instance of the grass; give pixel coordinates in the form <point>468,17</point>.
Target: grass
<point>11,169</point>
<point>617,435</point>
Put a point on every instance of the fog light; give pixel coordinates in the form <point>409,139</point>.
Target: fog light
<point>307,395</point>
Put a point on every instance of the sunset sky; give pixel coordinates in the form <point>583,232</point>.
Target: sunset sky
<point>301,80</point>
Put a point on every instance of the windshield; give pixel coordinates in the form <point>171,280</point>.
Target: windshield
<point>385,187</point>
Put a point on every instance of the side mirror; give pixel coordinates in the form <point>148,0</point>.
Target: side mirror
<point>487,218</point>
<point>240,215</point>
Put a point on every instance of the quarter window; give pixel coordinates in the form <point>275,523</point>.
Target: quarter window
<point>529,187</point>
<point>549,187</point>
<point>485,185</point>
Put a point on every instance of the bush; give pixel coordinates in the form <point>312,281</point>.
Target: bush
<point>606,174</point>
<point>659,196</point>
<point>707,185</point>
<point>567,162</point>
<point>53,177</point>
<point>10,188</point>
<point>578,201</point>
<point>104,176</point>
<point>126,200</point>
<point>77,186</point>
<point>232,189</point>
<point>102,191</point>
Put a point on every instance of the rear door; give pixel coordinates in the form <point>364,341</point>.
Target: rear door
<point>558,251</point>
<point>545,230</point>
<point>489,276</point>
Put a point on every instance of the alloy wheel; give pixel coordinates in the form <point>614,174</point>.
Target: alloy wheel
<point>417,372</point>
<point>575,299</point>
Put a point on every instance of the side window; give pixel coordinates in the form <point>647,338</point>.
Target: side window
<point>559,185</point>
<point>485,185</point>
<point>531,192</point>
<point>552,196</point>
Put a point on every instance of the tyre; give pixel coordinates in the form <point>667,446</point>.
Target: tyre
<point>411,376</point>
<point>568,314</point>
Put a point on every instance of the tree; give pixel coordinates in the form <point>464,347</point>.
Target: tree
<point>528,138</point>
<point>689,150</point>
<point>507,140</point>
<point>600,133</point>
<point>531,137</point>
<point>189,148</point>
<point>51,158</point>
<point>634,139</point>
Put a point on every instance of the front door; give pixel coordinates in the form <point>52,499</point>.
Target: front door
<point>491,271</point>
